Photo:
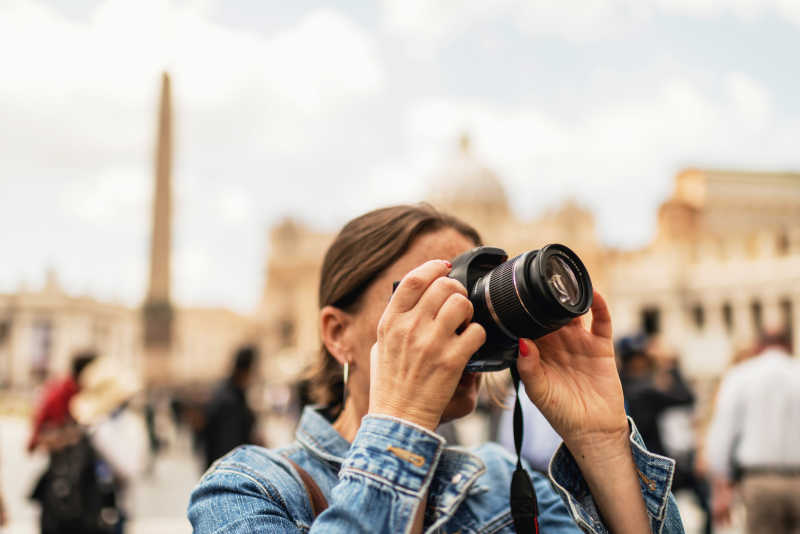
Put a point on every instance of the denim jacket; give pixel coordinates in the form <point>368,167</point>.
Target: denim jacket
<point>377,484</point>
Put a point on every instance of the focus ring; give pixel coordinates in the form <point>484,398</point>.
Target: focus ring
<point>505,302</point>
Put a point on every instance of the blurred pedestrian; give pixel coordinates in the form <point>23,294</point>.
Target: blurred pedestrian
<point>52,413</point>
<point>229,420</point>
<point>116,430</point>
<point>655,392</point>
<point>754,437</point>
<point>54,430</point>
<point>95,456</point>
<point>677,426</point>
<point>649,390</point>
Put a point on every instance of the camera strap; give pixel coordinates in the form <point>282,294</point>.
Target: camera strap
<point>524,506</point>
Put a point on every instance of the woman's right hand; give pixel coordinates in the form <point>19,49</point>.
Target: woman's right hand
<point>418,359</point>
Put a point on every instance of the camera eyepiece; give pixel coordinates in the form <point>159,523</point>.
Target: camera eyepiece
<point>528,296</point>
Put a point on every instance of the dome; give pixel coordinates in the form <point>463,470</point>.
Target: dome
<point>466,183</point>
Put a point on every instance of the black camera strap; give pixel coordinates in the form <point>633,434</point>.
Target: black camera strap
<point>524,506</point>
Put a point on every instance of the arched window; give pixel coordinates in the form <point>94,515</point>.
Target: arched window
<point>698,316</point>
<point>787,315</point>
<point>286,332</point>
<point>757,316</point>
<point>727,316</point>
<point>651,320</point>
<point>782,244</point>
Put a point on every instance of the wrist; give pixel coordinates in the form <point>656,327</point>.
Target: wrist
<point>422,418</point>
<point>600,447</point>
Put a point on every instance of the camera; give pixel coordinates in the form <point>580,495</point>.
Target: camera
<point>528,296</point>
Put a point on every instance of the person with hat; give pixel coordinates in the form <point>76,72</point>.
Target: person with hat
<point>98,454</point>
<point>102,407</point>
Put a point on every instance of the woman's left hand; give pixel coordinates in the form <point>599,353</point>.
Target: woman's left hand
<point>572,378</point>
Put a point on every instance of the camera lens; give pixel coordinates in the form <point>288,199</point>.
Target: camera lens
<point>529,296</point>
<point>562,281</point>
<point>533,294</point>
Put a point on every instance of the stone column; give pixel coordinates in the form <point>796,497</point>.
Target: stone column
<point>743,331</point>
<point>673,322</point>
<point>772,317</point>
<point>158,312</point>
<point>714,322</point>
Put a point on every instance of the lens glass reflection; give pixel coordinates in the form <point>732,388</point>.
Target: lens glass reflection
<point>561,279</point>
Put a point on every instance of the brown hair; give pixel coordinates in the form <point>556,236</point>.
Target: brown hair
<point>362,250</point>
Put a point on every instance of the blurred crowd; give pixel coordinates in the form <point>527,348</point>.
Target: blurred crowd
<point>735,441</point>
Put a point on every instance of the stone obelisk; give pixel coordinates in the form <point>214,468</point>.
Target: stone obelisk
<point>157,310</point>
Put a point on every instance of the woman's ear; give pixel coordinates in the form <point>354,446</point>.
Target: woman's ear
<point>333,326</point>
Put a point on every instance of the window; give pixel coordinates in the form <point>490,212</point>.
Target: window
<point>5,331</point>
<point>782,244</point>
<point>698,316</point>
<point>757,316</point>
<point>651,320</point>
<point>41,344</point>
<point>286,332</point>
<point>787,314</point>
<point>727,316</point>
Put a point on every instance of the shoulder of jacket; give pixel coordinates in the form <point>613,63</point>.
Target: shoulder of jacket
<point>267,470</point>
<point>264,466</point>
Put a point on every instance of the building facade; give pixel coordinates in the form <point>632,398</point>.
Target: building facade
<point>166,345</point>
<point>41,330</point>
<point>723,265</point>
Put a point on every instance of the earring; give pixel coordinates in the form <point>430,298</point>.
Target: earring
<point>345,376</point>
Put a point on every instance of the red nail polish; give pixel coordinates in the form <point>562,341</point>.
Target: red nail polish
<point>449,265</point>
<point>523,349</point>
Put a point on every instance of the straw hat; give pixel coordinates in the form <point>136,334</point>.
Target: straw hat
<point>105,386</point>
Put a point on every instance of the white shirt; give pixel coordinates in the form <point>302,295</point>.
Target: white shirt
<point>122,441</point>
<point>757,417</point>
<point>539,440</point>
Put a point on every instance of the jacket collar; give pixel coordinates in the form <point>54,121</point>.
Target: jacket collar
<point>318,436</point>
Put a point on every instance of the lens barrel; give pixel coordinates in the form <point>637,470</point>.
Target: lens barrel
<point>528,296</point>
<point>534,293</point>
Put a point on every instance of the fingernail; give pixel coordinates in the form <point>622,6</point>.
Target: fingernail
<point>449,265</point>
<point>523,349</point>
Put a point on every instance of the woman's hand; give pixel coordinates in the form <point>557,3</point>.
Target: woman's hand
<point>572,378</point>
<point>418,358</point>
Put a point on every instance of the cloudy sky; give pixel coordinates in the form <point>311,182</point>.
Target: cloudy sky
<point>325,109</point>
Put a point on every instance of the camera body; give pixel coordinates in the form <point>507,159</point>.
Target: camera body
<point>528,296</point>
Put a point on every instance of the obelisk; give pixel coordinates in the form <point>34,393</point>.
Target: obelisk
<point>157,310</point>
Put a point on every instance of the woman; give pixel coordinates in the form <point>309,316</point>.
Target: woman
<point>379,462</point>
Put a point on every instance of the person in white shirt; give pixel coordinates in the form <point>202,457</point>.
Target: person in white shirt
<point>539,441</point>
<point>755,430</point>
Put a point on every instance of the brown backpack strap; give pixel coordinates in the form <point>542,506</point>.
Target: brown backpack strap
<point>318,501</point>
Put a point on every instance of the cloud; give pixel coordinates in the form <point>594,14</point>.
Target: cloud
<point>429,25</point>
<point>750,98</point>
<point>324,118</point>
<point>111,194</point>
<point>78,99</point>
<point>619,158</point>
